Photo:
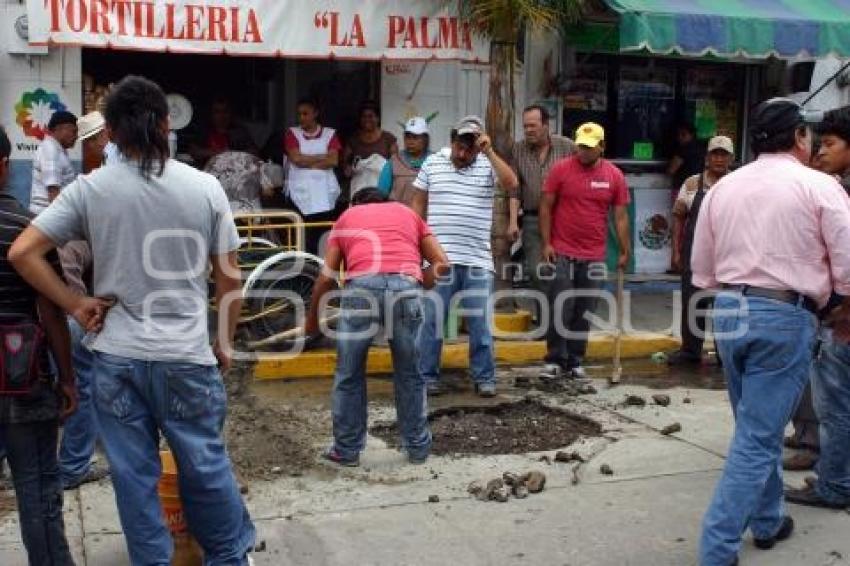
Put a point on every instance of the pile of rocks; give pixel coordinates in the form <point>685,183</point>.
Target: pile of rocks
<point>510,484</point>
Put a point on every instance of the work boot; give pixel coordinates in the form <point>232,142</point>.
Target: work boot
<point>783,533</point>
<point>809,496</point>
<point>800,461</point>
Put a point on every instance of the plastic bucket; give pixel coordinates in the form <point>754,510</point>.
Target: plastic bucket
<point>169,495</point>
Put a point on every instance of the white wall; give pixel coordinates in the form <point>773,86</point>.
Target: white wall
<point>449,89</point>
<point>21,74</point>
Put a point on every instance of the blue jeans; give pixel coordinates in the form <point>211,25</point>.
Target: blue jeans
<point>80,430</point>
<point>136,401</point>
<point>831,394</point>
<point>394,302</point>
<point>31,452</point>
<point>766,368</point>
<point>479,283</point>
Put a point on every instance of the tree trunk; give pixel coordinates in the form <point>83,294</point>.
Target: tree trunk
<point>500,100</point>
<point>500,126</point>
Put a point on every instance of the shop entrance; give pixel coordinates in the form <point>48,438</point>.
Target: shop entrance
<point>262,92</point>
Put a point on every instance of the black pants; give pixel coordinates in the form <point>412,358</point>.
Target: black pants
<point>31,453</point>
<point>313,235</point>
<point>571,278</point>
<point>692,344</point>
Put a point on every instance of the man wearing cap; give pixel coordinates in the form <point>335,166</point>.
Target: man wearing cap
<point>533,157</point>
<point>51,166</point>
<point>772,237</point>
<point>92,134</point>
<point>396,180</point>
<point>718,160</point>
<point>578,196</point>
<point>457,185</point>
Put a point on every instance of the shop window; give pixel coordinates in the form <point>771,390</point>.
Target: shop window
<point>640,101</point>
<point>585,96</point>
<point>646,113</point>
<point>712,101</point>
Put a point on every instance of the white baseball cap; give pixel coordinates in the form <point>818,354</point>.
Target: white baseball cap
<point>721,142</point>
<point>417,126</point>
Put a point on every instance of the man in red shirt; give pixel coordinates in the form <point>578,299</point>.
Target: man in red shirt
<point>578,195</point>
<point>382,245</point>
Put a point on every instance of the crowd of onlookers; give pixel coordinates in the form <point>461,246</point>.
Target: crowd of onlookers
<point>103,315</point>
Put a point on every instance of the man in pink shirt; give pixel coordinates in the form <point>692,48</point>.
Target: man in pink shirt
<point>382,245</point>
<point>772,236</point>
<point>578,195</point>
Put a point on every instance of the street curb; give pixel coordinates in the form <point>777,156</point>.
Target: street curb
<point>321,363</point>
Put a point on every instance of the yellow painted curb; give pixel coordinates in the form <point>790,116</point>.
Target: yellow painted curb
<point>321,363</point>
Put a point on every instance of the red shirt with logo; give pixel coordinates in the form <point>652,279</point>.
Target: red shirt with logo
<point>583,199</point>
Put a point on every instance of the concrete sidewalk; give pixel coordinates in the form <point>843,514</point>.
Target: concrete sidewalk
<point>647,514</point>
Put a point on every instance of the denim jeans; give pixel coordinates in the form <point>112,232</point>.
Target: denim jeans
<point>766,347</point>
<point>136,401</point>
<point>831,394</point>
<point>31,453</point>
<point>369,302</point>
<point>478,284</point>
<point>80,430</point>
<point>576,277</point>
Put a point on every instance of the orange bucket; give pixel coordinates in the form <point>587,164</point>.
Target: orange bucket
<point>169,495</point>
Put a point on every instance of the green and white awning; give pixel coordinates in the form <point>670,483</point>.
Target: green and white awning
<point>735,28</point>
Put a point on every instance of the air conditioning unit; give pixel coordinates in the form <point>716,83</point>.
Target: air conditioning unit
<point>17,33</point>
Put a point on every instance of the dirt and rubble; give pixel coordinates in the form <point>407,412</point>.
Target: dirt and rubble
<point>267,440</point>
<point>507,428</point>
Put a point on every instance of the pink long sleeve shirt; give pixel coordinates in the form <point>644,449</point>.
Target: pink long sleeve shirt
<point>776,224</point>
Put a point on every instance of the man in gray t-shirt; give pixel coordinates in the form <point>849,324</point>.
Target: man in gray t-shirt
<point>154,225</point>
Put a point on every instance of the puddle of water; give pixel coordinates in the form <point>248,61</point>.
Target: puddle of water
<point>661,376</point>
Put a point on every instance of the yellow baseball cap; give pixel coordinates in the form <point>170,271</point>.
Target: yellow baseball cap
<point>590,134</point>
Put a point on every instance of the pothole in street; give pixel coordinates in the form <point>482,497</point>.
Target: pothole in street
<point>508,428</point>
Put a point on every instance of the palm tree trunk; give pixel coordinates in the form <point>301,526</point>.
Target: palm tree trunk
<point>500,125</point>
<point>500,100</point>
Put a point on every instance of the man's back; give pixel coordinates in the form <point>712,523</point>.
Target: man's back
<point>775,224</point>
<point>380,238</point>
<point>151,240</point>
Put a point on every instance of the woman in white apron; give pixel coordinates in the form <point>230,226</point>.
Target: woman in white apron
<point>313,153</point>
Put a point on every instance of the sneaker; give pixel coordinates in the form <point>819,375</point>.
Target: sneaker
<point>551,372</point>
<point>485,389</point>
<point>783,533</point>
<point>94,474</point>
<point>334,456</point>
<point>417,460</point>
<point>578,372</point>
<point>434,389</point>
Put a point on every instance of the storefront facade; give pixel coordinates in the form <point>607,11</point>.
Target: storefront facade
<point>643,67</point>
<point>413,57</point>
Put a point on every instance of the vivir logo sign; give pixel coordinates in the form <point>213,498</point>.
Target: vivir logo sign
<point>376,30</point>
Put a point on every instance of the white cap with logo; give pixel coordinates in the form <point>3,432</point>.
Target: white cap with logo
<point>417,126</point>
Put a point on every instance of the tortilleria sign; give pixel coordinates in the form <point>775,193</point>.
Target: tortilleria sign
<point>346,29</point>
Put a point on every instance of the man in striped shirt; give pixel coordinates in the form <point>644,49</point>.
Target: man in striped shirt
<point>457,184</point>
